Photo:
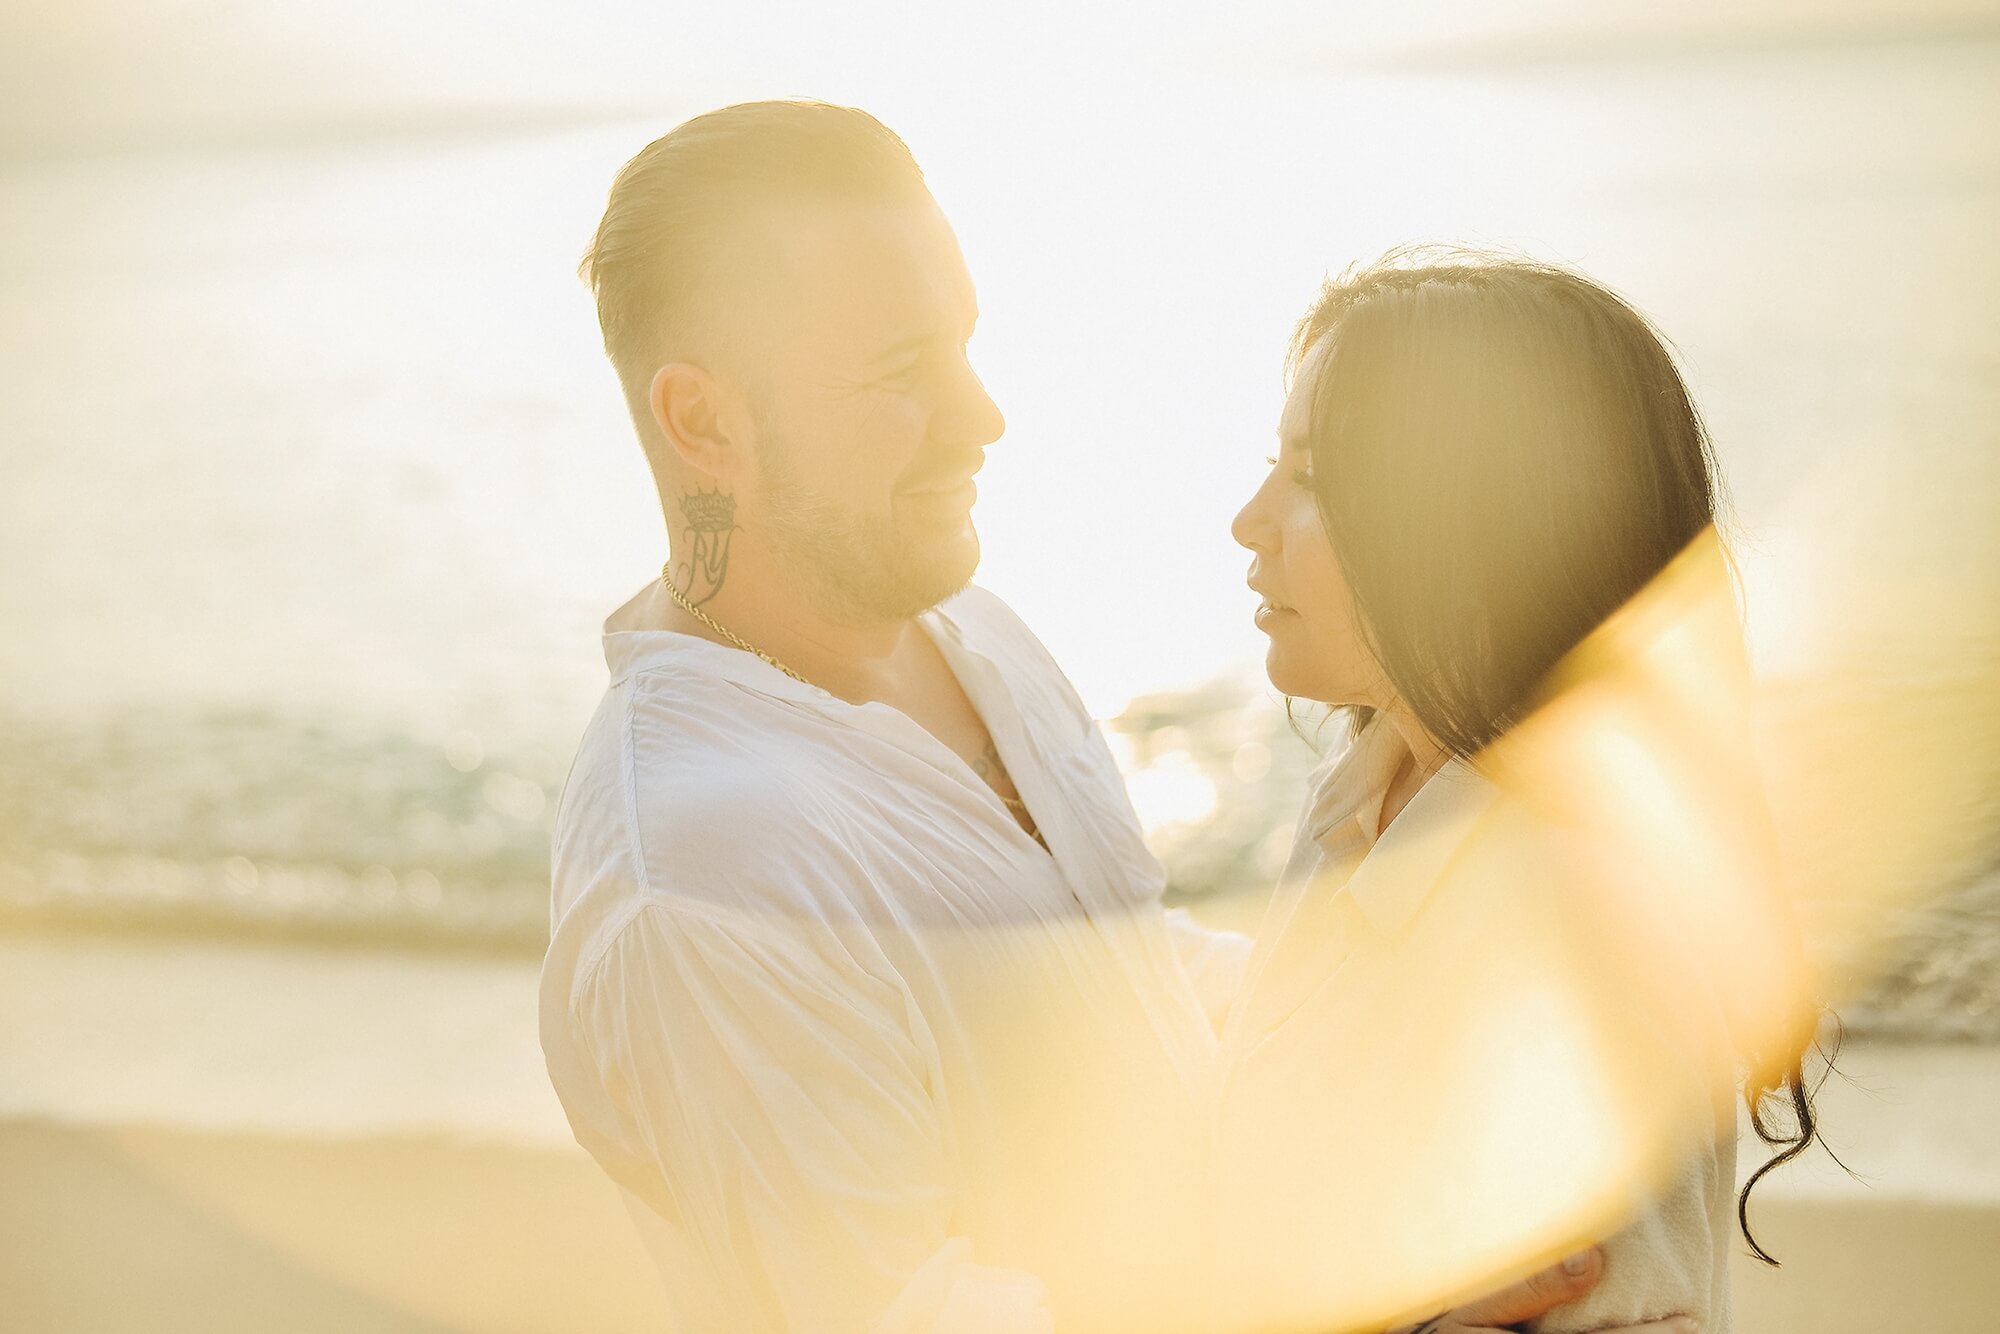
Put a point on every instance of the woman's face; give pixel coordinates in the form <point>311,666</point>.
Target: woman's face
<point>1316,649</point>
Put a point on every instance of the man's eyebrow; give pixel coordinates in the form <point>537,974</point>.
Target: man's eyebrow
<point>902,347</point>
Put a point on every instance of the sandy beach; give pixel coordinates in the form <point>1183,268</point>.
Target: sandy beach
<point>224,1137</point>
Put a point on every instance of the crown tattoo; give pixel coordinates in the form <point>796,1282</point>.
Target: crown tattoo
<point>710,511</point>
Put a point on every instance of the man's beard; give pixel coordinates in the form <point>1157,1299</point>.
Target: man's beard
<point>856,570</point>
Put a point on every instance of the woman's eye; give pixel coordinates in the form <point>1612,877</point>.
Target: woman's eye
<point>1300,476</point>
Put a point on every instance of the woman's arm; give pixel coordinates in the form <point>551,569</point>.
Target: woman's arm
<point>1570,1282</point>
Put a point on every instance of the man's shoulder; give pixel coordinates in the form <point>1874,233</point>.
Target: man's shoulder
<point>680,788</point>
<point>671,729</point>
<point>704,778</point>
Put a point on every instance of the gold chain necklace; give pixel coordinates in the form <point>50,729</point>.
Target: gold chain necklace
<point>1014,804</point>
<point>666,577</point>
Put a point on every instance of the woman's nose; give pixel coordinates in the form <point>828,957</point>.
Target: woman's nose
<point>1249,527</point>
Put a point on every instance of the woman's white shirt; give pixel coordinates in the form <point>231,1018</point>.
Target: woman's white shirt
<point>1431,1081</point>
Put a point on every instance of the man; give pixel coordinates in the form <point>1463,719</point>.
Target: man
<point>858,983</point>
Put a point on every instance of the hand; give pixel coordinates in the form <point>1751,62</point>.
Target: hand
<point>1536,1295</point>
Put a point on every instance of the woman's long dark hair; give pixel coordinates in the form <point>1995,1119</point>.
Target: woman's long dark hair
<point>1504,453</point>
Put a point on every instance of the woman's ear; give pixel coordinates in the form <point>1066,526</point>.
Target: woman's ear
<point>689,409</point>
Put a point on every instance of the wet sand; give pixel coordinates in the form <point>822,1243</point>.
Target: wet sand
<point>233,1137</point>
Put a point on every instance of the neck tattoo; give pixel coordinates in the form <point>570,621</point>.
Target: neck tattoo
<point>711,518</point>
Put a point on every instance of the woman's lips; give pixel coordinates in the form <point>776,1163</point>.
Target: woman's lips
<point>1271,613</point>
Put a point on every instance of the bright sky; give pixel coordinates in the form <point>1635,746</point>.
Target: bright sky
<point>111,71</point>
<point>1147,195</point>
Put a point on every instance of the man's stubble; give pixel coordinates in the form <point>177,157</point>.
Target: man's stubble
<point>858,570</point>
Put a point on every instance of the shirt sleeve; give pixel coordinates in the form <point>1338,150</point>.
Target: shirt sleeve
<point>780,1123</point>
<point>1672,1258</point>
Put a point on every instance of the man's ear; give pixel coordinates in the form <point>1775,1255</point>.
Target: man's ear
<point>691,411</point>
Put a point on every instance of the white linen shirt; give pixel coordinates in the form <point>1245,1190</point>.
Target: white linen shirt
<point>859,1051</point>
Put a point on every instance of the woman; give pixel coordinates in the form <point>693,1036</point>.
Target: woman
<point>1459,1002</point>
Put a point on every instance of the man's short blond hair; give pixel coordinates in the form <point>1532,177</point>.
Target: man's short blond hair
<point>661,263</point>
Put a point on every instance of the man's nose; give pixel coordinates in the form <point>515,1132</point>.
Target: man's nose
<point>988,424</point>
<point>974,418</point>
